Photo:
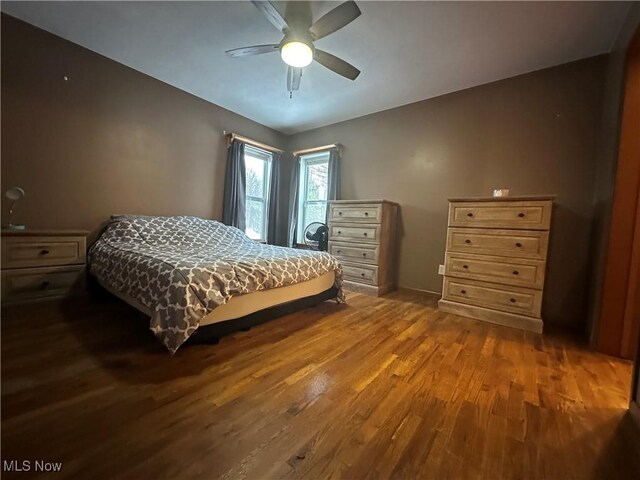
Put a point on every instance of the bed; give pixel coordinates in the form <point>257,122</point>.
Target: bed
<point>188,272</point>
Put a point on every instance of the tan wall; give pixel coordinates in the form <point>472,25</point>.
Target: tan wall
<point>114,140</point>
<point>534,134</point>
<point>110,140</point>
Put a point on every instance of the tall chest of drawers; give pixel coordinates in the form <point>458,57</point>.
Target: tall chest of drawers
<point>41,264</point>
<point>495,261</point>
<point>362,235</point>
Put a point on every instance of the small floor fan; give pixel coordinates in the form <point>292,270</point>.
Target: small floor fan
<point>316,236</point>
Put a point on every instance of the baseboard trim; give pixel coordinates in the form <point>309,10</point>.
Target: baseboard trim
<point>420,291</point>
<point>373,290</point>
<point>492,316</point>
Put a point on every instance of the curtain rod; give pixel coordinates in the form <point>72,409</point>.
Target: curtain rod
<point>234,136</point>
<point>316,149</point>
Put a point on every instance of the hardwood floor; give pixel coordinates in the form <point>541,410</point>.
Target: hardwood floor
<point>379,388</point>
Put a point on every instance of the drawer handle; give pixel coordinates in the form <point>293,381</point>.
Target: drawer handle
<point>521,215</point>
<point>365,234</point>
<point>337,251</point>
<point>366,214</point>
<point>518,244</point>
<point>512,300</point>
<point>339,231</point>
<point>465,266</point>
<point>44,251</point>
<point>44,285</point>
<point>463,291</point>
<point>339,213</point>
<point>516,272</point>
<point>362,274</point>
<point>469,214</point>
<point>467,241</point>
<point>364,254</point>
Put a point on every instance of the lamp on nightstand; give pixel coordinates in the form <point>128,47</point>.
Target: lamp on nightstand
<point>14,194</point>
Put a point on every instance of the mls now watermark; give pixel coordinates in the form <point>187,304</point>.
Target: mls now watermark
<point>30,466</point>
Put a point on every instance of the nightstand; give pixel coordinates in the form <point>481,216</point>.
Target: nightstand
<point>41,264</point>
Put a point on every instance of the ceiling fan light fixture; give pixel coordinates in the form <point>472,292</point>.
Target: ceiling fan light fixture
<point>296,48</point>
<point>296,54</point>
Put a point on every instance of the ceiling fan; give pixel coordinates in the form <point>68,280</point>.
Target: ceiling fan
<point>296,48</point>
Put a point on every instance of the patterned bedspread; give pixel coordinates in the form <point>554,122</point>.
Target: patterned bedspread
<point>181,268</point>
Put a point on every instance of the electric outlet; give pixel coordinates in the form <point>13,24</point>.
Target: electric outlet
<point>440,269</point>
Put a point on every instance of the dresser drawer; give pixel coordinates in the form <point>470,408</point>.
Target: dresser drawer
<point>360,273</point>
<point>356,213</point>
<point>36,283</point>
<point>508,271</point>
<point>354,232</point>
<point>507,299</point>
<point>20,252</point>
<point>516,215</point>
<point>355,253</point>
<point>509,243</point>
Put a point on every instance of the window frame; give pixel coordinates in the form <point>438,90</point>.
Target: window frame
<point>311,159</point>
<point>267,158</point>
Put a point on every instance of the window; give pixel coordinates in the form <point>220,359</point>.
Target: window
<point>314,187</point>
<point>258,173</point>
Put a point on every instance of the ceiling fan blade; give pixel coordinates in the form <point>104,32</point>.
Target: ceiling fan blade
<point>272,14</point>
<point>293,78</point>
<point>334,20</point>
<point>336,64</point>
<point>254,50</point>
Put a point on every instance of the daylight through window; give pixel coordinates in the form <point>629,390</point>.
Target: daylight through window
<point>258,173</point>
<point>314,183</point>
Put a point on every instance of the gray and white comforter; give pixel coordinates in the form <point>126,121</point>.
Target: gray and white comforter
<point>181,268</point>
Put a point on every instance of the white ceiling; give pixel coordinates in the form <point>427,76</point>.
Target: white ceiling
<point>407,51</point>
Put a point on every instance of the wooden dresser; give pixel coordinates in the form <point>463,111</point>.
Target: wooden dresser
<point>362,235</point>
<point>496,259</point>
<point>41,264</point>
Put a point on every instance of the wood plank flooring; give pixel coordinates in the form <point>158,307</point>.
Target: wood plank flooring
<point>379,388</point>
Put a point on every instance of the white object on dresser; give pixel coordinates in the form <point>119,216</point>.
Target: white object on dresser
<point>362,235</point>
<point>41,264</point>
<point>495,261</point>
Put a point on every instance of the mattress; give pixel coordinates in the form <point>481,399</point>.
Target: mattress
<point>181,270</point>
<point>249,303</point>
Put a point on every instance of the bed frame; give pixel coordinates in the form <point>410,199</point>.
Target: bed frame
<point>211,334</point>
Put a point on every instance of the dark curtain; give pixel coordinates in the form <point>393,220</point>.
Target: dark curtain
<point>293,202</point>
<point>333,192</point>
<point>234,204</point>
<point>274,203</point>
<point>333,186</point>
